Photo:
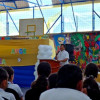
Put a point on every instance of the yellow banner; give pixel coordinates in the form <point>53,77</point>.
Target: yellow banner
<point>21,52</point>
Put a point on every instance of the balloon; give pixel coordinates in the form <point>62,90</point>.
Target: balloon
<point>40,47</point>
<point>35,72</point>
<point>39,56</point>
<point>49,53</point>
<point>50,47</point>
<point>41,52</point>
<point>49,58</point>
<point>45,52</point>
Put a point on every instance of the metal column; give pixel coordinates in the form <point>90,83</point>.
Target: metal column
<point>93,16</point>
<point>61,18</point>
<point>33,12</point>
<point>7,24</point>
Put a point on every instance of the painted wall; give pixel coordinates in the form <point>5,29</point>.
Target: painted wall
<point>86,46</point>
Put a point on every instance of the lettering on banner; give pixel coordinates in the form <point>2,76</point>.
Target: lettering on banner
<point>18,51</point>
<point>2,61</point>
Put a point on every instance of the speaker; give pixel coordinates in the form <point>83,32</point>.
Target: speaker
<point>70,49</point>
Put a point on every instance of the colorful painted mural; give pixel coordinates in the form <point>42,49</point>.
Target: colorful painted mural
<point>86,46</point>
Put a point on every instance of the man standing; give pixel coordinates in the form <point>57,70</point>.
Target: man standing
<point>62,56</point>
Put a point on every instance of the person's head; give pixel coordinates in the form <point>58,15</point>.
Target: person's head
<point>3,78</point>
<point>62,47</point>
<point>52,80</point>
<point>91,69</point>
<point>44,69</point>
<point>10,72</point>
<point>70,76</point>
<point>92,88</point>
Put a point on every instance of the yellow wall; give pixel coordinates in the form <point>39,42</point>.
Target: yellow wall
<point>31,46</point>
<point>53,48</point>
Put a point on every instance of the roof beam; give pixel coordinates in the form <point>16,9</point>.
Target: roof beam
<point>73,14</point>
<point>7,6</point>
<point>15,4</point>
<point>42,13</point>
<point>73,1</point>
<point>10,17</point>
<point>30,2</point>
<point>9,0</point>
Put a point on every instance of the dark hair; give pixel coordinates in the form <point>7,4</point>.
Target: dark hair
<point>63,45</point>
<point>9,70</point>
<point>3,75</point>
<point>52,80</point>
<point>91,69</point>
<point>41,83</point>
<point>38,86</point>
<point>44,69</point>
<point>68,76</point>
<point>92,88</point>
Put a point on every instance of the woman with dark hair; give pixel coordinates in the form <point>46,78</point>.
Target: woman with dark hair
<point>90,85</point>
<point>41,84</point>
<point>92,88</point>
<point>91,69</point>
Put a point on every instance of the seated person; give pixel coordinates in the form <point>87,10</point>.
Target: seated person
<point>91,70</point>
<point>69,85</point>
<point>11,86</point>
<point>41,84</point>
<point>52,80</point>
<point>92,88</point>
<point>3,86</point>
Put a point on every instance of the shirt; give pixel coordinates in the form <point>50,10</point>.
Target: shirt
<point>62,55</point>
<point>63,94</point>
<point>6,95</point>
<point>16,88</point>
<point>1,98</point>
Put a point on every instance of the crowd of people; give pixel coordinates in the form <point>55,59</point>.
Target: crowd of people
<point>69,83</point>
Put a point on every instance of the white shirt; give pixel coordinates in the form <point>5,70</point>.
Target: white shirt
<point>16,88</point>
<point>6,95</point>
<point>1,98</point>
<point>63,55</point>
<point>63,94</point>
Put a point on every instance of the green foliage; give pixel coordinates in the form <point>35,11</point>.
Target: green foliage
<point>96,52</point>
